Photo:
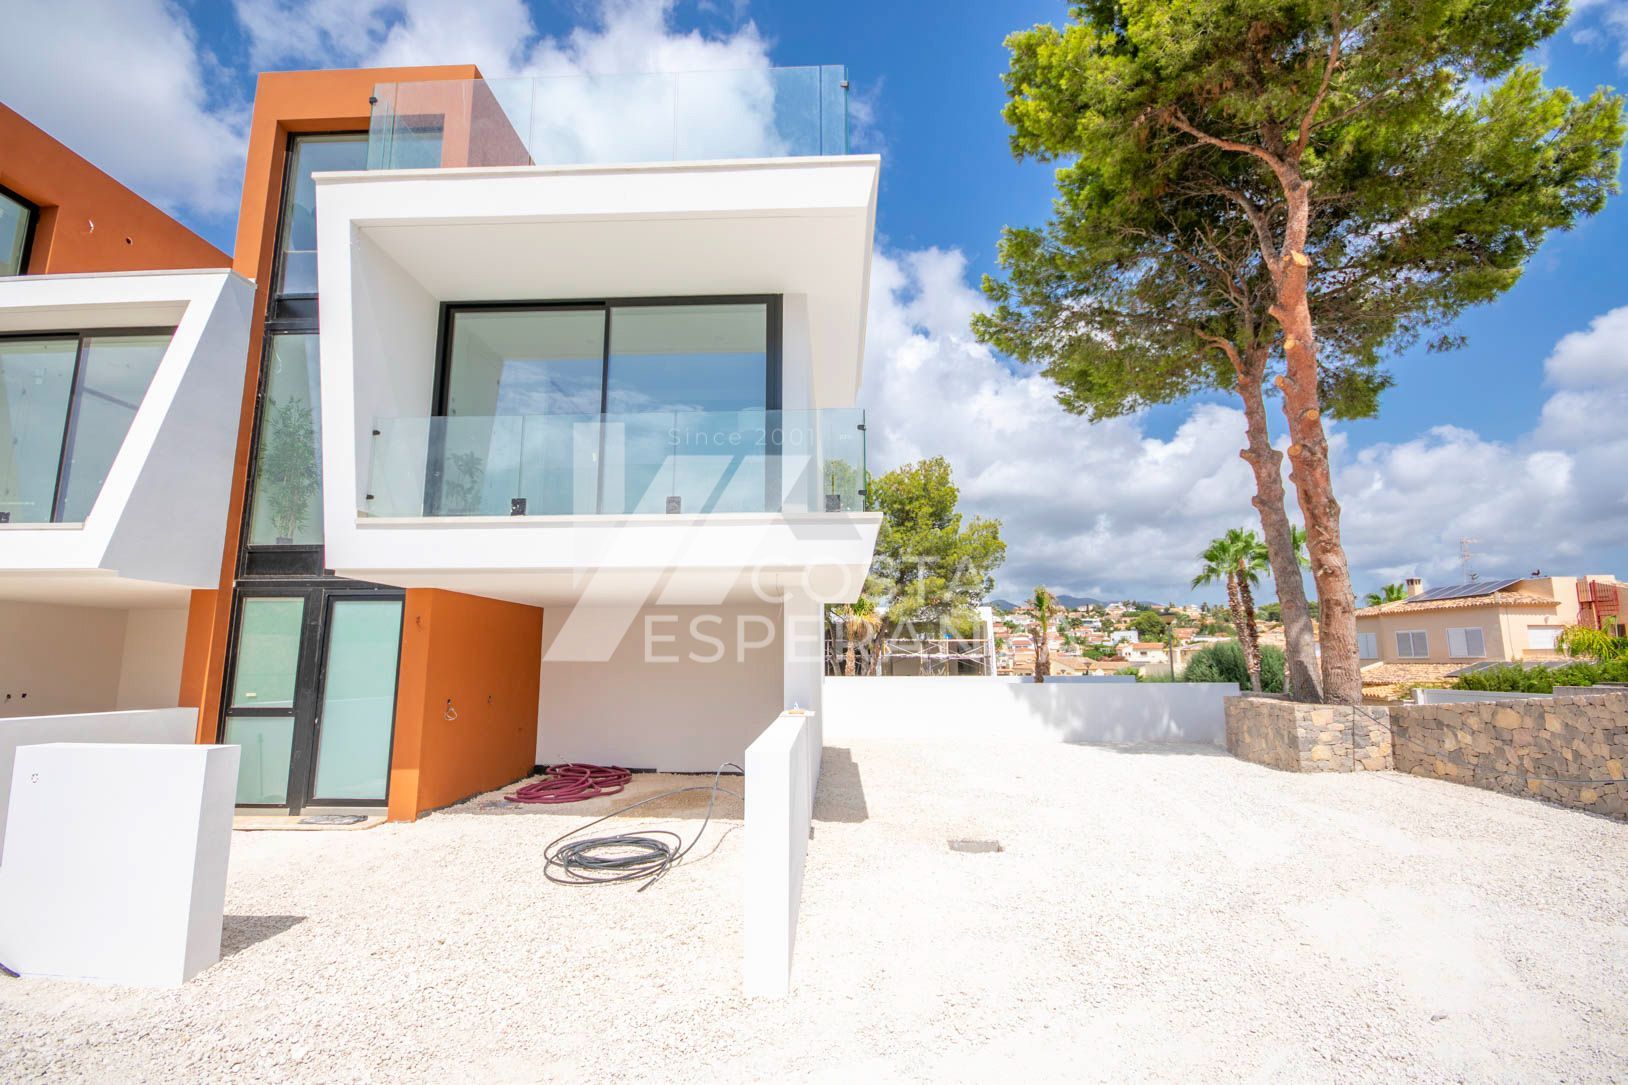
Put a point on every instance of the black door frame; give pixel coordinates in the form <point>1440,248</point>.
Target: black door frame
<point>310,679</point>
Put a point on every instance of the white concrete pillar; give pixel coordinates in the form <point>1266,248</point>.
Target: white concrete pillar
<point>803,675</point>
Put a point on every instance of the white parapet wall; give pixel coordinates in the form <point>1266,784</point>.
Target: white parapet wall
<point>116,871</point>
<point>158,725</point>
<point>1463,696</point>
<point>975,706</point>
<point>782,774</point>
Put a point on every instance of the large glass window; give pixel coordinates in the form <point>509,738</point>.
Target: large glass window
<point>585,407</point>
<point>287,485</point>
<point>66,406</point>
<point>16,229</point>
<point>297,239</point>
<point>687,358</point>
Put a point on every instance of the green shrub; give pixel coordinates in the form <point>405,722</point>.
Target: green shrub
<point>1514,678</point>
<point>1224,662</point>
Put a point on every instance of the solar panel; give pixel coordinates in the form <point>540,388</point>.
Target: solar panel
<point>1465,591</point>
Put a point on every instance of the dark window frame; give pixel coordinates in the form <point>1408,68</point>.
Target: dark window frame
<point>773,319</point>
<point>256,560</point>
<point>773,361</point>
<point>283,307</point>
<point>33,211</point>
<point>310,679</point>
<point>76,393</point>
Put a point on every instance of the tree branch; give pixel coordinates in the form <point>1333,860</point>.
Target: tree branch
<point>1310,116</point>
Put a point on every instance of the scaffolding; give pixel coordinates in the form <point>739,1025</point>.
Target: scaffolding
<point>909,657</point>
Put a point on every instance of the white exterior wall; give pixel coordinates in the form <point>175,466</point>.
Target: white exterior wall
<point>680,689</point>
<point>158,525</point>
<point>171,725</point>
<point>165,854</point>
<point>1004,708</point>
<point>65,659</point>
<point>782,775</point>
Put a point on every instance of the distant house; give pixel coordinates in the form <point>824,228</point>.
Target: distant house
<point>1144,652</point>
<point>1505,620</point>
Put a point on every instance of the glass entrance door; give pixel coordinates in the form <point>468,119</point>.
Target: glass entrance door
<point>311,695</point>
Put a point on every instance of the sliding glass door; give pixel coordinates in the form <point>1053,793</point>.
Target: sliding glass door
<point>607,407</point>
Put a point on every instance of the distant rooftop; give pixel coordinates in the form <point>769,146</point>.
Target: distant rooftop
<point>610,119</point>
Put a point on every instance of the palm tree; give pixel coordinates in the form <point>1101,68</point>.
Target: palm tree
<point>860,623</point>
<point>1045,605</point>
<point>1390,593</point>
<point>1237,559</point>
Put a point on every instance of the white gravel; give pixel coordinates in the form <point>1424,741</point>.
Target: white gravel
<point>1158,913</point>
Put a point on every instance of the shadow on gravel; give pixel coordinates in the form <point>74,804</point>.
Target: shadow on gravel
<point>239,932</point>
<point>842,794</point>
<point>1162,749</point>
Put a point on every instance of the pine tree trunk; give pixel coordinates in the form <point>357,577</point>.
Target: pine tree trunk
<point>1308,459</point>
<point>1301,680</point>
<point>1249,634</point>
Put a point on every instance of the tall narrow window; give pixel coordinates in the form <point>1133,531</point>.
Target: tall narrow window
<point>16,231</point>
<point>297,238</point>
<point>287,484</point>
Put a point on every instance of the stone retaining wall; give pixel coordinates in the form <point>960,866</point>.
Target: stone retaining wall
<point>1282,734</point>
<point>1569,750</point>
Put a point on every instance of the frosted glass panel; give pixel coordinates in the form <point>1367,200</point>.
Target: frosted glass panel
<point>358,699</point>
<point>268,653</point>
<point>262,774</point>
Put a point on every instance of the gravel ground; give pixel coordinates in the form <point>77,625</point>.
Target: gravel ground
<point>1157,913</point>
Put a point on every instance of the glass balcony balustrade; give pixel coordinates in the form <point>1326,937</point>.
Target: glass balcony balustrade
<point>604,119</point>
<point>662,462</point>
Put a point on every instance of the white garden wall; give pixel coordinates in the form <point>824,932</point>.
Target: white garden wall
<point>162,725</point>
<point>1465,696</point>
<point>782,774</point>
<point>975,706</point>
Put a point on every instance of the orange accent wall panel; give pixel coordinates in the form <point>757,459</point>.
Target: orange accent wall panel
<point>88,222</point>
<point>284,103</point>
<point>477,661</point>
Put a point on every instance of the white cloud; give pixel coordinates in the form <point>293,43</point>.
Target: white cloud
<point>1111,509</point>
<point>128,86</point>
<point>1601,22</point>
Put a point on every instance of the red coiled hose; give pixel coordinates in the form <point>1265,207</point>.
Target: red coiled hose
<point>573,783</point>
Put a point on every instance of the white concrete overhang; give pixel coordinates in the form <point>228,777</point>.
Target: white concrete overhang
<point>794,226</point>
<point>157,527</point>
<point>394,246</point>
<point>670,560</point>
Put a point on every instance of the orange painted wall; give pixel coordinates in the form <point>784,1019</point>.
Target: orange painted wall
<point>476,659</point>
<point>88,221</point>
<point>284,103</point>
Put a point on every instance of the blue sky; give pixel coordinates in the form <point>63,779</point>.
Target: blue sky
<point>1507,441</point>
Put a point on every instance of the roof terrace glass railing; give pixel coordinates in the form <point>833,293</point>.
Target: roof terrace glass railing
<point>602,119</point>
<point>618,464</point>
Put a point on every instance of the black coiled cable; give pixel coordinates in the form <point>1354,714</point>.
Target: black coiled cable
<point>627,857</point>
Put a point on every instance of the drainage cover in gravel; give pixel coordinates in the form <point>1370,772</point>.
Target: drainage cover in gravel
<point>334,819</point>
<point>975,845</point>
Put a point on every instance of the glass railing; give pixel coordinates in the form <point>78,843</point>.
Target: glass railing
<point>617,464</point>
<point>595,119</point>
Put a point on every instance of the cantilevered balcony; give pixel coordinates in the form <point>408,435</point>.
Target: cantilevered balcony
<point>603,119</point>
